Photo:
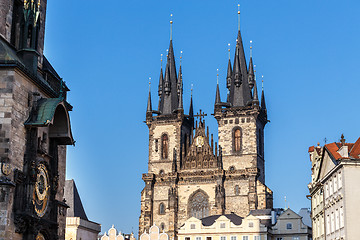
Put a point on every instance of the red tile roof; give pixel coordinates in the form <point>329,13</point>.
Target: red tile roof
<point>311,149</point>
<point>353,148</point>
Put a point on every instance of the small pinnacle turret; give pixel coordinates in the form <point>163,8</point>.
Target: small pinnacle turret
<point>228,76</point>
<point>263,105</point>
<point>251,76</point>
<point>255,95</point>
<point>217,97</point>
<point>149,107</point>
<point>180,89</point>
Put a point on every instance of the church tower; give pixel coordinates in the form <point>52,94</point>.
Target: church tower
<point>241,122</point>
<point>190,175</point>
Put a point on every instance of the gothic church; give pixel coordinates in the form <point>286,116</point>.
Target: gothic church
<point>190,175</point>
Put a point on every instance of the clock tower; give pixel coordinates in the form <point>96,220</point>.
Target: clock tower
<point>34,128</point>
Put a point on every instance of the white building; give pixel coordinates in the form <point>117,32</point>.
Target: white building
<point>334,190</point>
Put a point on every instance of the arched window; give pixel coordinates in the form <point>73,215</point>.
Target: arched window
<point>164,146</point>
<point>237,140</point>
<point>161,208</point>
<point>162,226</point>
<point>237,190</point>
<point>161,173</point>
<point>198,205</point>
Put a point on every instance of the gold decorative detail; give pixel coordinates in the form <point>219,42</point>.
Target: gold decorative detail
<point>5,169</point>
<point>40,237</point>
<point>199,141</point>
<point>41,191</point>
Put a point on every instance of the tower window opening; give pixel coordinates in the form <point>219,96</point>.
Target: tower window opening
<point>161,209</point>
<point>164,146</point>
<point>162,226</point>
<point>237,140</point>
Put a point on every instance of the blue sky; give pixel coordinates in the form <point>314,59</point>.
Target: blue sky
<point>308,52</point>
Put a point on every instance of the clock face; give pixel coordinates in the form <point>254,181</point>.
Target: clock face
<point>41,191</point>
<point>199,141</point>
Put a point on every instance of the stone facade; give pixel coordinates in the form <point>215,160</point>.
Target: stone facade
<point>34,128</point>
<point>189,175</point>
<point>335,172</point>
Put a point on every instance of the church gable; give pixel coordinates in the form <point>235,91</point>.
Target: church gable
<point>200,154</point>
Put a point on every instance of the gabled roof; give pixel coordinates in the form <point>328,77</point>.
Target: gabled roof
<point>72,198</point>
<point>353,149</point>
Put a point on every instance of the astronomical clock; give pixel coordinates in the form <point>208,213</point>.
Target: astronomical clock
<point>38,209</point>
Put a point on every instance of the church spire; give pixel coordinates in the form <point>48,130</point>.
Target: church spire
<point>217,97</point>
<point>251,77</point>
<point>263,105</point>
<point>169,100</point>
<point>180,86</point>
<point>191,109</point>
<point>149,106</point>
<point>240,91</point>
<point>161,82</point>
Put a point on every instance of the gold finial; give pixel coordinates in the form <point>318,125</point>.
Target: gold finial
<point>250,48</point>
<point>25,2</point>
<point>167,52</point>
<point>181,52</point>
<point>262,82</point>
<point>38,3</point>
<point>161,55</point>
<point>149,83</point>
<point>171,22</point>
<point>229,50</point>
<point>192,87</point>
<point>217,76</point>
<point>239,17</point>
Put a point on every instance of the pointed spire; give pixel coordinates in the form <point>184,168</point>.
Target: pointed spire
<point>180,86</point>
<point>263,105</point>
<point>255,95</point>
<point>191,109</point>
<point>251,75</point>
<point>161,79</point>
<point>149,107</point>
<point>237,70</point>
<point>217,97</point>
<point>229,74</point>
<point>240,92</point>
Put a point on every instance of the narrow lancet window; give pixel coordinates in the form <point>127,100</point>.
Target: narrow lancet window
<point>164,146</point>
<point>237,140</point>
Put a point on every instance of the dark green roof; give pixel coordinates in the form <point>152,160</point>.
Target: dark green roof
<point>45,112</point>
